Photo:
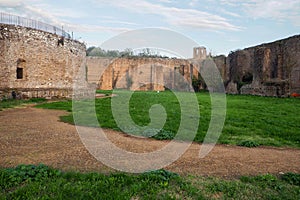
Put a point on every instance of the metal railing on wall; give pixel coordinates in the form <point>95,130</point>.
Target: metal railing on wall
<point>30,23</point>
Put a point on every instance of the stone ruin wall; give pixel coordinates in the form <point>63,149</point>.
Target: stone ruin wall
<point>134,73</point>
<point>49,70</point>
<point>45,69</point>
<point>271,69</point>
<point>95,67</point>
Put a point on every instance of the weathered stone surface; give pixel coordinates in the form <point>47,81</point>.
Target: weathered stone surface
<point>32,59</point>
<point>33,63</point>
<point>140,73</point>
<point>96,67</point>
<point>271,69</point>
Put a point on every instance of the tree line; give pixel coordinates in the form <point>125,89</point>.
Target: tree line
<point>146,52</point>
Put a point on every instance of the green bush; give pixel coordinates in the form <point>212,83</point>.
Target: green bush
<point>247,143</point>
<point>23,173</point>
<point>36,100</point>
<point>291,178</point>
<point>164,135</point>
<point>161,174</point>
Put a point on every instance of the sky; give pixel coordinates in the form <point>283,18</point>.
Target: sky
<point>219,25</point>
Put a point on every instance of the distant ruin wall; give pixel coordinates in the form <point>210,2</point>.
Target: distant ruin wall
<point>33,60</point>
<point>139,73</point>
<point>271,69</point>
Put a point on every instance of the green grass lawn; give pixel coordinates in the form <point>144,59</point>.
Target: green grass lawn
<point>250,120</point>
<point>42,182</point>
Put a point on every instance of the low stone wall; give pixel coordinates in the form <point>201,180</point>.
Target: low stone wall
<point>47,93</point>
<point>272,90</point>
<point>27,93</point>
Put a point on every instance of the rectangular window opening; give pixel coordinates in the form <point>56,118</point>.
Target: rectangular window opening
<point>19,73</point>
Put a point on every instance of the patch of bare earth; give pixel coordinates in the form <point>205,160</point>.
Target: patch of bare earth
<point>32,136</point>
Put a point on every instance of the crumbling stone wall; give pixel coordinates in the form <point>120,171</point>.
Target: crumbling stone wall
<point>140,73</point>
<point>271,69</point>
<point>95,67</point>
<point>33,60</point>
<point>221,65</point>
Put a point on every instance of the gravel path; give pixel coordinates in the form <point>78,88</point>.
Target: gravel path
<point>31,136</point>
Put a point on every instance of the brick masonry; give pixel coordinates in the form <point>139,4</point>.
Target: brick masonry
<point>134,73</point>
<point>34,64</point>
<point>271,69</point>
<point>144,73</point>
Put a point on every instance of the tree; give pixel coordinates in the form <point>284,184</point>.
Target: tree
<point>89,50</point>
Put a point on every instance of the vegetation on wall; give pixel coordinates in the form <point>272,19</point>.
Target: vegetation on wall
<point>198,83</point>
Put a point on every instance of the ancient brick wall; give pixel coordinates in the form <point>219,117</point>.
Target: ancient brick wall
<point>139,73</point>
<point>220,62</point>
<point>95,67</point>
<point>270,69</point>
<point>33,60</point>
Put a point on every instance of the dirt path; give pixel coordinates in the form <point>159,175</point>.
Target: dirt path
<point>32,136</point>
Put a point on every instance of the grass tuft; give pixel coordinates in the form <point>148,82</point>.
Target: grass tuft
<point>247,143</point>
<point>291,178</point>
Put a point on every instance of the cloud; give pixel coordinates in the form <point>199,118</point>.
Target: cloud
<point>272,9</point>
<point>234,3</point>
<point>10,3</point>
<point>120,22</point>
<point>193,2</point>
<point>198,19</point>
<point>28,11</point>
<point>165,1</point>
<point>53,16</point>
<point>226,12</point>
<point>174,16</point>
<point>95,28</point>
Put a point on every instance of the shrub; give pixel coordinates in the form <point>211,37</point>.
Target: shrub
<point>164,135</point>
<point>22,173</point>
<point>37,100</point>
<point>291,178</point>
<point>161,174</point>
<point>248,144</point>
